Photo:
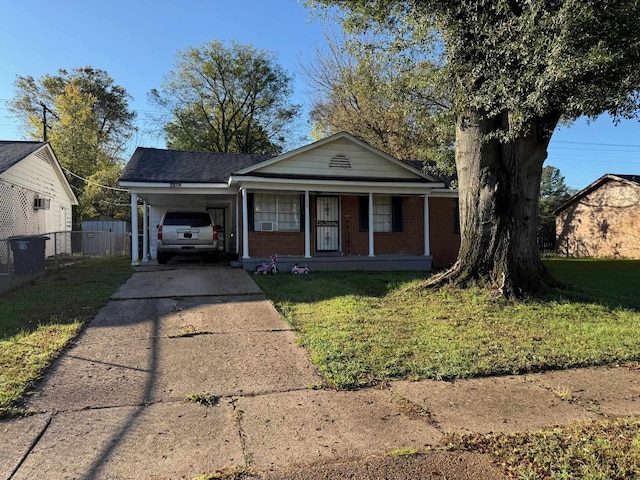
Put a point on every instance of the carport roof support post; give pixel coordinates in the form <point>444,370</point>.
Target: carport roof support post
<point>134,230</point>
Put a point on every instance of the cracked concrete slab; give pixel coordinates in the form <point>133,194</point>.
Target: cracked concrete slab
<point>162,349</point>
<point>616,393</point>
<point>163,317</point>
<point>495,404</point>
<point>245,363</point>
<point>173,440</point>
<point>317,425</point>
<point>204,280</point>
<point>104,372</point>
<point>17,436</point>
<point>248,313</point>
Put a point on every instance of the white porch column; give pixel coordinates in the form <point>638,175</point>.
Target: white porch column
<point>245,225</point>
<point>371,249</point>
<point>145,233</point>
<point>134,229</point>
<point>427,246</point>
<point>307,226</point>
<point>237,229</point>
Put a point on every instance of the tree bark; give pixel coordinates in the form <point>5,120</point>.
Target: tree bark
<point>499,186</point>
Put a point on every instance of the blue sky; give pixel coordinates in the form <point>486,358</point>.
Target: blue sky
<point>135,41</point>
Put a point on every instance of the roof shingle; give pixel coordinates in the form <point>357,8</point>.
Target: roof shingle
<point>176,166</point>
<point>11,152</point>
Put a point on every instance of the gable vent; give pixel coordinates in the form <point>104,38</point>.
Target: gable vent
<point>42,155</point>
<point>340,161</point>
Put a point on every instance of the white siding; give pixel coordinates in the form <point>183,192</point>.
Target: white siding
<point>365,163</point>
<point>31,178</point>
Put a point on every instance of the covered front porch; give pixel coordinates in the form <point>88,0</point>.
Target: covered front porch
<point>330,229</point>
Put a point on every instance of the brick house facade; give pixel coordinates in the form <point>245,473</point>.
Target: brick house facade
<point>602,220</point>
<point>334,204</point>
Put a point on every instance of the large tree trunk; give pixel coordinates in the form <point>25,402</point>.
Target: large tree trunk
<point>499,185</point>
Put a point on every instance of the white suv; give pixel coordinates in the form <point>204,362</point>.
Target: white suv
<point>183,232</point>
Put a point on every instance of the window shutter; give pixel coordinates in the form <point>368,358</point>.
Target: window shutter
<point>396,214</point>
<point>302,210</point>
<point>251,211</point>
<point>363,209</point>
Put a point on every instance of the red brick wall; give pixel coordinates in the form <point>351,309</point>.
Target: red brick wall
<point>354,242</point>
<point>262,244</point>
<point>444,242</point>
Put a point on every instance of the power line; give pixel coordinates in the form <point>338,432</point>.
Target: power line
<point>551,147</point>
<point>599,144</point>
<point>94,183</point>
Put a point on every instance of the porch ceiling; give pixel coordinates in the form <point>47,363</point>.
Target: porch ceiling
<point>195,199</point>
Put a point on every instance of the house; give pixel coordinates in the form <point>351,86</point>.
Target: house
<point>602,220</point>
<point>35,197</point>
<point>337,203</point>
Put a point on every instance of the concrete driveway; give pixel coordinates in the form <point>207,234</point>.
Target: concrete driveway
<point>113,406</point>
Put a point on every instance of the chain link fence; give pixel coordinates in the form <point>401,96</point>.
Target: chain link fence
<point>25,256</point>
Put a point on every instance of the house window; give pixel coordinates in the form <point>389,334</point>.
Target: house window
<point>382,214</point>
<point>387,214</point>
<point>277,212</point>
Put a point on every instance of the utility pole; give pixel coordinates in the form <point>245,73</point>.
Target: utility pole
<point>44,122</point>
<point>45,109</point>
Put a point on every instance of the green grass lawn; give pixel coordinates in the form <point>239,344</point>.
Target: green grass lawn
<point>600,450</point>
<point>38,319</point>
<point>361,328</point>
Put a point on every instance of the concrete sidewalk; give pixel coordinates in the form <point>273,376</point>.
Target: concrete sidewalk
<point>114,407</point>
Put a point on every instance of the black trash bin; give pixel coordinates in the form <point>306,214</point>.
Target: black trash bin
<point>28,253</point>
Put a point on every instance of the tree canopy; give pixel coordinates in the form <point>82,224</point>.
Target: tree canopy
<point>393,102</point>
<point>226,98</point>
<point>515,68</point>
<point>88,124</point>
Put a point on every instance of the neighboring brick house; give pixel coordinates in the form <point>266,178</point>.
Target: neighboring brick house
<point>602,220</point>
<point>315,205</point>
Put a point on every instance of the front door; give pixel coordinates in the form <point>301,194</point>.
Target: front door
<point>327,224</point>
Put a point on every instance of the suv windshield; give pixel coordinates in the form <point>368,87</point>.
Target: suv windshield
<point>187,219</point>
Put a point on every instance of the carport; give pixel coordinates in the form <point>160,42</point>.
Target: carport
<point>160,180</point>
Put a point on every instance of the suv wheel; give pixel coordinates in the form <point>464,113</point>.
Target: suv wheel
<point>162,258</point>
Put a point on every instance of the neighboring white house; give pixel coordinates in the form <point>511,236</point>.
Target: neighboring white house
<point>35,196</point>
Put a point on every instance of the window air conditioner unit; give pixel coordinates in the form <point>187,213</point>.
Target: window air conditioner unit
<point>266,226</point>
<point>41,204</point>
